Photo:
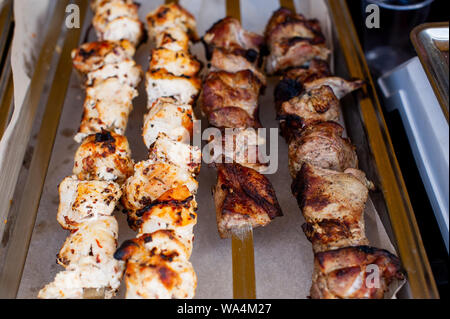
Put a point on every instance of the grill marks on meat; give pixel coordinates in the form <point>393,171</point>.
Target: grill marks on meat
<point>242,196</point>
<point>344,273</point>
<point>333,206</point>
<point>93,55</point>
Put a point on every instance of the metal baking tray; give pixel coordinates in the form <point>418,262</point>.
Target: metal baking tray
<point>32,237</point>
<point>431,43</point>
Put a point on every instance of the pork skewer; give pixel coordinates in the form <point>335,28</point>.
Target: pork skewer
<point>243,197</point>
<point>330,190</point>
<point>103,160</point>
<point>159,198</point>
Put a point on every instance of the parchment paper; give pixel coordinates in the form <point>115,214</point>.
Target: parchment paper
<point>283,255</point>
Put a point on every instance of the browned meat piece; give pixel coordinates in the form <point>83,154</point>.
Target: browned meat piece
<point>333,206</point>
<point>322,145</point>
<point>293,41</point>
<point>242,196</point>
<point>340,86</point>
<point>239,145</point>
<point>316,69</point>
<point>294,52</point>
<point>232,116</point>
<point>285,24</point>
<point>284,15</point>
<point>225,60</point>
<point>354,272</point>
<point>319,104</point>
<point>223,89</point>
<point>228,33</point>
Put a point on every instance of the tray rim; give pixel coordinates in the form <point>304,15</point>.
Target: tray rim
<point>427,63</point>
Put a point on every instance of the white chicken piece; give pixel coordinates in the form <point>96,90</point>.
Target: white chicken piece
<point>174,39</point>
<point>83,200</point>
<point>159,273</point>
<point>167,150</point>
<point>127,72</point>
<point>104,156</point>
<point>171,16</point>
<point>94,239</point>
<point>179,217</point>
<point>151,180</point>
<point>106,107</point>
<point>170,117</point>
<point>115,21</point>
<point>92,266</point>
<point>179,63</point>
<point>123,28</point>
<point>162,242</point>
<point>161,83</point>
<point>93,55</point>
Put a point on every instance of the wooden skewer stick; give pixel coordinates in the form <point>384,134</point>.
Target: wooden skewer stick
<point>93,293</point>
<point>244,284</point>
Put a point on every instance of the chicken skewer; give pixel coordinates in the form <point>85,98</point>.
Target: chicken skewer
<point>243,197</point>
<point>330,190</point>
<point>159,198</point>
<point>103,160</point>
